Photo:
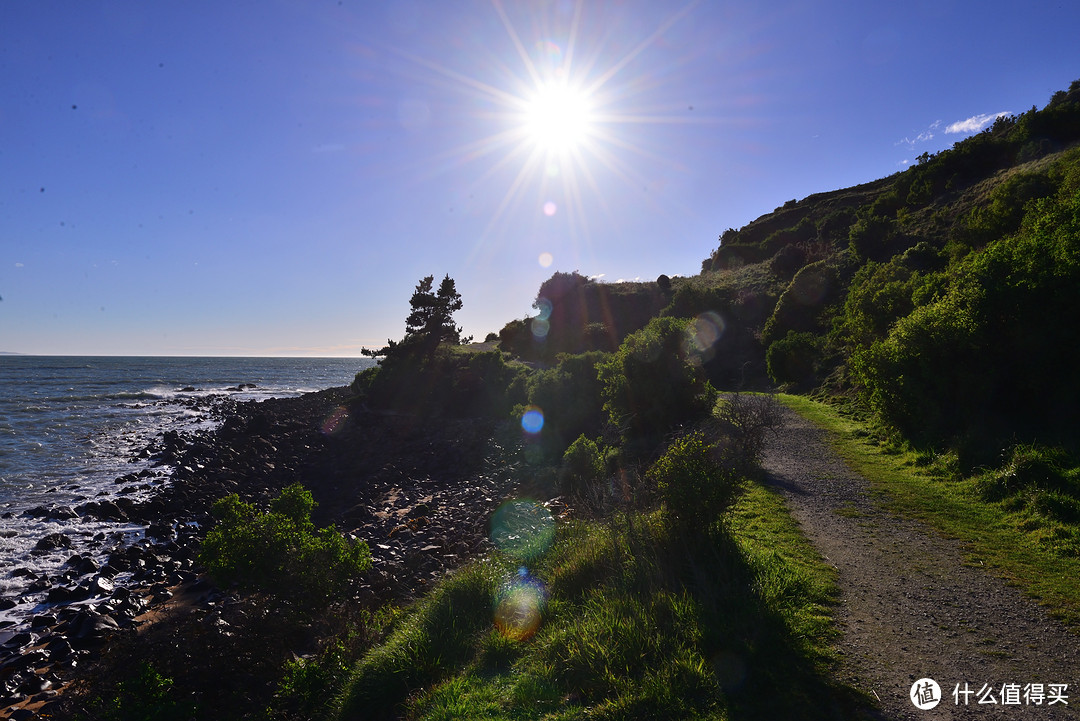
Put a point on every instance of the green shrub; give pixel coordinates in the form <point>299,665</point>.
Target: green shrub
<point>148,696</point>
<point>920,379</point>
<point>582,466</point>
<point>653,384</point>
<point>994,358</point>
<point>364,381</point>
<point>451,381</point>
<point>1004,210</point>
<point>697,482</point>
<point>793,358</point>
<point>872,236</point>
<point>280,551</point>
<point>879,295</point>
<point>570,396</point>
<point>308,685</point>
<point>800,307</point>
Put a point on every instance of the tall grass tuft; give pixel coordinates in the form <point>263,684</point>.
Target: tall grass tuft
<point>435,639</point>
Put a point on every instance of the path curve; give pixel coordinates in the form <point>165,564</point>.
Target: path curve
<point>910,607</point>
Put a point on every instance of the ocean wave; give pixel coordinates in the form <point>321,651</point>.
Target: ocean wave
<point>77,398</point>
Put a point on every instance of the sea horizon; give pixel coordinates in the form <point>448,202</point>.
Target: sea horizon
<point>175,355</point>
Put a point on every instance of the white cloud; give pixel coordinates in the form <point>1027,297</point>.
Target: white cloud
<point>923,137</point>
<point>975,123</point>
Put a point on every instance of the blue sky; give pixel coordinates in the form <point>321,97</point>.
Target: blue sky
<point>273,178</point>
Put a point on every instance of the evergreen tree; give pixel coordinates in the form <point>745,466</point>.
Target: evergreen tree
<point>430,320</point>
<point>424,306</point>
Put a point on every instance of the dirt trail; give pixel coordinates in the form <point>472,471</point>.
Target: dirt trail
<point>910,606</point>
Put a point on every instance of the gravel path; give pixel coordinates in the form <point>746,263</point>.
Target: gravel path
<point>910,607</point>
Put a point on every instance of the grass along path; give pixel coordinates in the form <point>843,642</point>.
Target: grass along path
<point>633,622</point>
<point>913,602</point>
<point>990,536</point>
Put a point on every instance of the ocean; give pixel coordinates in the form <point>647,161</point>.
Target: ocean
<point>70,427</point>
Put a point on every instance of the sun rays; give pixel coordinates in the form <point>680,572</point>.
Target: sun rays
<point>552,129</point>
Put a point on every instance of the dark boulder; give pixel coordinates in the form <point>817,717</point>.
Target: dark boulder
<point>63,594</point>
<point>61,513</point>
<point>53,542</point>
<point>102,586</point>
<point>82,565</point>
<point>103,511</point>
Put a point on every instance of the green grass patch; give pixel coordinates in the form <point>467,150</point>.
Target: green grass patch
<point>623,619</point>
<point>1027,532</point>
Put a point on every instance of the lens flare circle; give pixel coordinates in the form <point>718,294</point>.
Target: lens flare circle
<point>540,327</point>
<point>543,308</point>
<point>532,420</point>
<point>519,607</point>
<point>335,421</point>
<point>522,528</point>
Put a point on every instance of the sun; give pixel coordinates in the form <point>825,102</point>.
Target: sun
<point>558,118</point>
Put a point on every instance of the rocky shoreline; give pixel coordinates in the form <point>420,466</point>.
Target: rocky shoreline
<point>418,491</point>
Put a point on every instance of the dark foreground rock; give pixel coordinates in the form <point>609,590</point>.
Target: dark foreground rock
<point>418,491</point>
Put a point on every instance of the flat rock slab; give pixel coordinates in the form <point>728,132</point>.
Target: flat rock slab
<point>910,605</point>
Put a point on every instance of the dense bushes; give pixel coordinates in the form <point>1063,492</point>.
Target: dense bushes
<point>652,384</point>
<point>582,467</point>
<point>793,359</point>
<point>570,396</point>
<point>697,481</point>
<point>996,356</point>
<point>1004,210</point>
<point>453,381</point>
<point>801,306</point>
<point>280,551</point>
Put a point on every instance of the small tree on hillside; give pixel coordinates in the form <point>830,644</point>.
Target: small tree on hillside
<point>430,320</point>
